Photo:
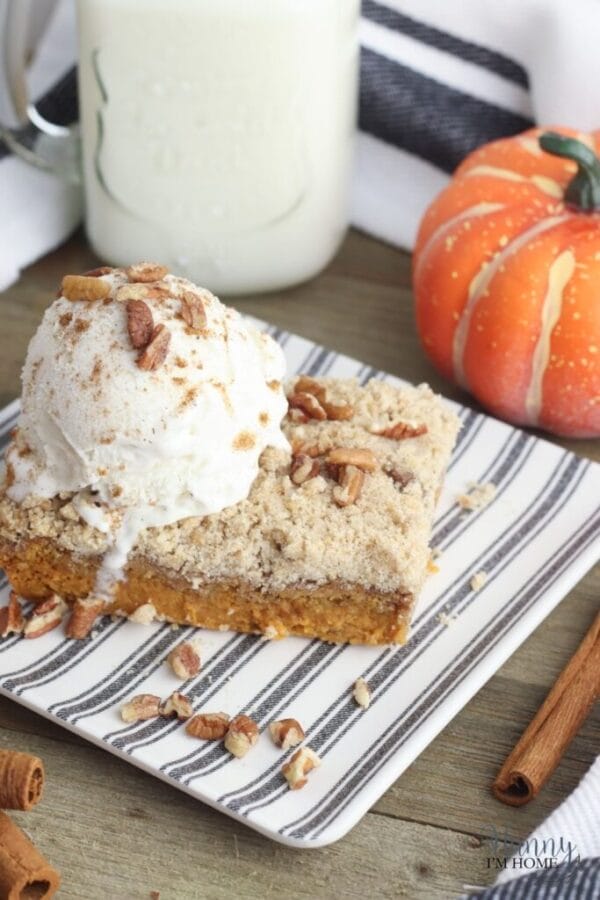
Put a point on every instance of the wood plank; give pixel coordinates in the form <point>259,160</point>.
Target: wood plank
<point>115,832</point>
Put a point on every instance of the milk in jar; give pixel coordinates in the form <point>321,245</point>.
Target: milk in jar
<point>218,134</point>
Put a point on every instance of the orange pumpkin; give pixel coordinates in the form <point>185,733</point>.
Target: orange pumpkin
<point>506,274</point>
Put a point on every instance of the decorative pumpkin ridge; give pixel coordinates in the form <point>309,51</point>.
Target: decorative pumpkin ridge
<point>506,272</point>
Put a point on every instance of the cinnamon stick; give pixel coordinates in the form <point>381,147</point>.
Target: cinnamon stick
<point>24,873</point>
<point>21,780</point>
<point>556,723</point>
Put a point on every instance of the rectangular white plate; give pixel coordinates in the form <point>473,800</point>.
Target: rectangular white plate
<point>535,540</point>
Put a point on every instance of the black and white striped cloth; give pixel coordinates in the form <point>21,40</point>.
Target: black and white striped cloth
<point>573,881</point>
<point>534,541</point>
<point>438,78</point>
<point>570,839</point>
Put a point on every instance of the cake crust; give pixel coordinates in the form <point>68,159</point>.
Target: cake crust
<point>334,612</point>
<point>293,558</point>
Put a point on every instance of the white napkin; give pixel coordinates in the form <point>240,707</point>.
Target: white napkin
<point>38,210</point>
<point>576,822</point>
<point>437,80</point>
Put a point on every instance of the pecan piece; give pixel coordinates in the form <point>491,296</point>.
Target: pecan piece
<point>353,456</point>
<point>338,412</point>
<point>184,660</point>
<point>302,762</point>
<point>45,617</point>
<point>146,271</point>
<point>141,292</point>
<point>99,271</point>
<point>308,404</point>
<point>348,490</point>
<point>286,733</point>
<point>303,467</point>
<point>83,617</point>
<point>140,323</point>
<point>478,580</point>
<point>335,412</point>
<point>208,726</point>
<point>155,353</point>
<point>479,496</point>
<point>242,734</point>
<point>307,385</point>
<point>362,693</point>
<point>192,311</point>
<point>311,450</point>
<point>297,416</point>
<point>401,477</point>
<point>177,705</point>
<point>332,471</point>
<point>84,287</point>
<point>401,430</point>
<point>141,707</point>
<point>11,617</point>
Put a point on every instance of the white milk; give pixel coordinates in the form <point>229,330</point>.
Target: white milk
<point>217,134</point>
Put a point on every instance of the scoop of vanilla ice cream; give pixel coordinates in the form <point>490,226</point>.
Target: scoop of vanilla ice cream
<point>145,447</point>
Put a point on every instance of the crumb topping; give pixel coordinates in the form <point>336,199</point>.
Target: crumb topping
<point>478,496</point>
<point>478,580</point>
<point>291,530</point>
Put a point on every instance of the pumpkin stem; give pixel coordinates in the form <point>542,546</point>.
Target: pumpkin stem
<point>583,191</point>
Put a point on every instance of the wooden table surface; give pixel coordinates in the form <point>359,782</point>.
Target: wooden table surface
<point>115,832</point>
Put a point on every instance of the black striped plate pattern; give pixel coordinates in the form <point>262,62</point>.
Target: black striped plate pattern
<point>535,540</point>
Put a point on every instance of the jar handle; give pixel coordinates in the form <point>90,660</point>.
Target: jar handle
<point>23,129</point>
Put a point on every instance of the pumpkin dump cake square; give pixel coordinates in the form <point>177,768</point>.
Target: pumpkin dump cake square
<point>216,499</point>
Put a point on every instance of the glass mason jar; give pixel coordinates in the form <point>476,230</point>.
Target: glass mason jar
<point>217,136</point>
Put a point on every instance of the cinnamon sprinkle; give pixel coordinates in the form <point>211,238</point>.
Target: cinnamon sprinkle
<point>245,440</point>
